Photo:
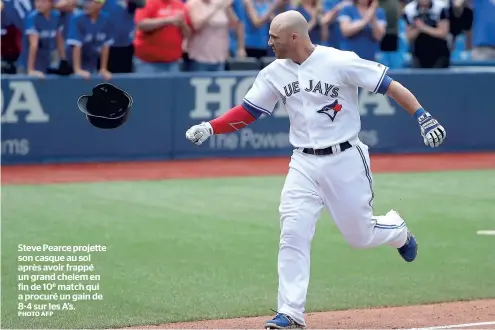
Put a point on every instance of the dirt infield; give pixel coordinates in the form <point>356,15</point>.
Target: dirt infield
<point>408,317</point>
<point>478,314</point>
<point>131,171</point>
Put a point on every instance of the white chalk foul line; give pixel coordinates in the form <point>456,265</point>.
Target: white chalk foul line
<point>456,326</point>
<point>486,232</point>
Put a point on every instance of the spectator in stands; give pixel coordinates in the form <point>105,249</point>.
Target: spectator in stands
<point>122,17</point>
<point>66,9</point>
<point>331,34</point>
<point>427,24</point>
<point>208,46</point>
<point>14,13</point>
<point>11,44</point>
<point>460,21</point>
<point>240,12</point>
<point>17,11</point>
<point>312,12</point>
<point>363,26</point>
<point>159,23</point>
<point>390,42</point>
<point>4,18</point>
<point>484,30</point>
<point>89,40</point>
<point>259,14</point>
<point>42,35</point>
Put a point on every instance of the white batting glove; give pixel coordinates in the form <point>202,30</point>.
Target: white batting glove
<point>433,133</point>
<point>199,133</point>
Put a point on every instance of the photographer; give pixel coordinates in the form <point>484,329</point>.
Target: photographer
<point>427,31</point>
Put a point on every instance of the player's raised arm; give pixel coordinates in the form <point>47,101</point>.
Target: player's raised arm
<point>259,100</point>
<point>373,77</point>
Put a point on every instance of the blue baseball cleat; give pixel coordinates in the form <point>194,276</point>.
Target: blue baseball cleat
<point>409,251</point>
<point>282,321</point>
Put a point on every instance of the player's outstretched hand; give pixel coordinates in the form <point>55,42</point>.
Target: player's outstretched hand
<point>199,133</point>
<point>433,133</point>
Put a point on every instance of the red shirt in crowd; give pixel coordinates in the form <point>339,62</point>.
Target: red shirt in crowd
<point>11,43</point>
<point>164,44</point>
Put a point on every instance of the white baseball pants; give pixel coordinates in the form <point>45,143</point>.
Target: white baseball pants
<point>341,183</point>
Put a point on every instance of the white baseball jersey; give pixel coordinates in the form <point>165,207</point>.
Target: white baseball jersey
<point>320,95</point>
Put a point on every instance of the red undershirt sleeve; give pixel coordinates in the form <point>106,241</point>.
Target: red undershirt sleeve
<point>233,120</point>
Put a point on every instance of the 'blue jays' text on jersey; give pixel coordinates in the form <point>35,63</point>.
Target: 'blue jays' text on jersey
<point>91,36</point>
<point>46,28</point>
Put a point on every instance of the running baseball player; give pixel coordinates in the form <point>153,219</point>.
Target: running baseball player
<point>330,166</point>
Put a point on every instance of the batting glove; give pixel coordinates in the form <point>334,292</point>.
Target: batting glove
<point>199,133</point>
<point>433,133</point>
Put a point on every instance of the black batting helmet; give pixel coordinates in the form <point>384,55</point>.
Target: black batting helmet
<point>107,108</point>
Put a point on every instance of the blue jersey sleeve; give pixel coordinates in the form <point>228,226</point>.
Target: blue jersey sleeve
<point>380,16</point>
<point>75,35</point>
<point>329,5</point>
<point>345,14</point>
<point>60,21</point>
<point>30,24</point>
<point>109,34</point>
<point>5,22</point>
<point>239,10</point>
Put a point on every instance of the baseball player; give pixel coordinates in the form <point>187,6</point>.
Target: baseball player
<point>330,166</point>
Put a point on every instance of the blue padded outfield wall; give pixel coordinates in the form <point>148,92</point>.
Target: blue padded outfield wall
<point>41,122</point>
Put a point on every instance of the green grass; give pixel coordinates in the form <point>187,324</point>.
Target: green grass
<point>196,249</point>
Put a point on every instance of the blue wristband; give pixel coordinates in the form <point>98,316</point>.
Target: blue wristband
<point>419,112</point>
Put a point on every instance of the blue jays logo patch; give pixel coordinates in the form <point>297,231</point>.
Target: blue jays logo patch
<point>331,110</point>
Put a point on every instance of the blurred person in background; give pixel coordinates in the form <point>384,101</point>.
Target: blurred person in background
<point>331,34</point>
<point>240,12</point>
<point>312,12</point>
<point>161,27</point>
<point>259,14</point>
<point>89,39</point>
<point>208,46</point>
<point>14,13</point>
<point>122,50</point>
<point>461,22</point>
<point>17,11</point>
<point>42,35</point>
<point>427,29</point>
<point>483,30</point>
<point>390,42</point>
<point>363,26</point>
<point>66,9</point>
<point>11,44</point>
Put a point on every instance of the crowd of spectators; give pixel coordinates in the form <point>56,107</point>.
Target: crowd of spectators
<point>85,37</point>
